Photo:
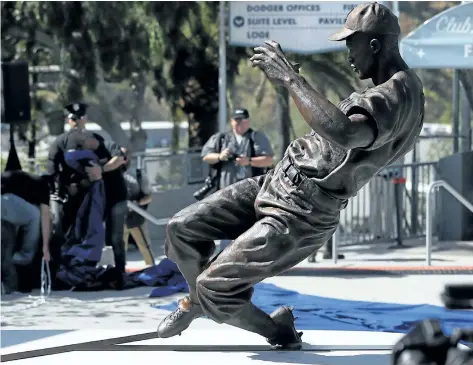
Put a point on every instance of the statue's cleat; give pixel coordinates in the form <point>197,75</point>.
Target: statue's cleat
<point>288,337</point>
<point>180,319</point>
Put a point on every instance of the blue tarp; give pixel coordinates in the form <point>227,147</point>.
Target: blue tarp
<point>88,228</point>
<point>165,276</point>
<point>83,248</point>
<point>319,313</point>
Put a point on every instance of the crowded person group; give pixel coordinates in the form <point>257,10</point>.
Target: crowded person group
<point>67,215</point>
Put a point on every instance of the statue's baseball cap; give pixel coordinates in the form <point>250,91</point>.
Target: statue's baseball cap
<point>371,18</point>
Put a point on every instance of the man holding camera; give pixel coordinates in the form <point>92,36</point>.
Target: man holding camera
<point>235,156</point>
<point>239,154</point>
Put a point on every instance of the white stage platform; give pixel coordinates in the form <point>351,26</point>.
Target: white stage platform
<point>224,346</point>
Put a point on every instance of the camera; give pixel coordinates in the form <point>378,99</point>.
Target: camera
<point>232,157</point>
<point>209,184</point>
<point>426,343</point>
<point>124,154</point>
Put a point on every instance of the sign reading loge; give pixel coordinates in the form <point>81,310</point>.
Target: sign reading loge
<point>300,27</point>
<point>445,41</point>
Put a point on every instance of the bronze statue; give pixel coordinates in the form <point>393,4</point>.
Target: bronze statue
<point>277,220</point>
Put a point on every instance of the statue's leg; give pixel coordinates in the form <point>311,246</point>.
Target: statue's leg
<point>295,221</point>
<point>190,241</point>
<point>270,247</point>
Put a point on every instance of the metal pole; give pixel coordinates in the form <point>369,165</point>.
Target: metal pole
<point>414,191</point>
<point>222,73</point>
<point>396,8</point>
<point>398,201</point>
<point>429,229</point>
<point>139,162</point>
<point>429,223</point>
<point>466,122</point>
<point>467,143</point>
<point>456,109</point>
<point>145,214</point>
<point>335,241</point>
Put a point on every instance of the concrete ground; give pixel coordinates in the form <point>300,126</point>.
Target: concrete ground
<point>25,318</point>
<point>133,309</point>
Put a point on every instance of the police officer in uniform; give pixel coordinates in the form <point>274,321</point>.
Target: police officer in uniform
<point>66,196</point>
<point>68,193</point>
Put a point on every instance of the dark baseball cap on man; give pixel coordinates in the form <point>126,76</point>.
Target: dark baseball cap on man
<point>369,18</point>
<point>240,113</point>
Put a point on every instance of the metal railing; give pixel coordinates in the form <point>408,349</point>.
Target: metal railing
<point>429,213</point>
<point>390,208</point>
<point>165,169</point>
<point>146,215</point>
<point>383,210</point>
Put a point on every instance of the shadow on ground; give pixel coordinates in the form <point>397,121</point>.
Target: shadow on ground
<point>16,337</point>
<point>310,358</point>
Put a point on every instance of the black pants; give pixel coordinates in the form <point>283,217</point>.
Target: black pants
<point>114,231</point>
<point>276,221</point>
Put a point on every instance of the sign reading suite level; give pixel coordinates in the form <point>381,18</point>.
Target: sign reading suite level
<point>300,27</point>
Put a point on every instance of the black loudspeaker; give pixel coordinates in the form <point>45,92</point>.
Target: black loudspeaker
<point>16,93</point>
<point>456,221</point>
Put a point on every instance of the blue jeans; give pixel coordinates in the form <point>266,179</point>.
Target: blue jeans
<point>26,218</point>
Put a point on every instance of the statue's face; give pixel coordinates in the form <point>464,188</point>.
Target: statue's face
<point>362,51</point>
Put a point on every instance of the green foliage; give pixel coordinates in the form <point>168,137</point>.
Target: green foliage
<point>188,77</point>
<point>177,44</point>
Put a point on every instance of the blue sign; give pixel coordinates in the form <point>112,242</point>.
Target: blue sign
<point>445,41</point>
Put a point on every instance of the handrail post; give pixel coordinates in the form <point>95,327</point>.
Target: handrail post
<point>139,162</point>
<point>335,240</point>
<point>429,231</point>
<point>429,224</point>
<point>145,214</point>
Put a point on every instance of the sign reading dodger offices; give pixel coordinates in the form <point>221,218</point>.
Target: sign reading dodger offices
<point>300,27</point>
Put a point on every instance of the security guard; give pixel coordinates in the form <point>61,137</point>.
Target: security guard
<point>66,196</point>
<point>68,193</point>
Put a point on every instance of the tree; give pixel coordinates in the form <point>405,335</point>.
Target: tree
<point>101,41</point>
<point>22,40</point>
<point>188,77</point>
<point>115,41</point>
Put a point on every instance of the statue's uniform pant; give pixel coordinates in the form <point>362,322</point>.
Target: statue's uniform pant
<point>276,221</point>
